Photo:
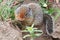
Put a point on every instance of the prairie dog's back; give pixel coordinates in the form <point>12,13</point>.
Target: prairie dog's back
<point>37,12</point>
<point>35,8</point>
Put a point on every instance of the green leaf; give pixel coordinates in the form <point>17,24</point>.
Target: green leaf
<point>40,31</point>
<point>30,29</point>
<point>32,25</point>
<point>39,34</point>
<point>35,28</point>
<point>28,35</point>
<point>24,31</point>
<point>44,5</point>
<point>51,11</point>
<point>1,1</point>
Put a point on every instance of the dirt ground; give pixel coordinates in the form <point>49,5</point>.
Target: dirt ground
<point>44,36</point>
<point>56,33</point>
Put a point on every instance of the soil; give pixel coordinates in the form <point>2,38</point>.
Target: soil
<point>44,36</point>
<point>7,32</point>
<point>56,33</point>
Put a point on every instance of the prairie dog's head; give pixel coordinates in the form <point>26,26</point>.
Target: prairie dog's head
<point>23,12</point>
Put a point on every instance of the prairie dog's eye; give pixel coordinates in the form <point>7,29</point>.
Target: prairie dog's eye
<point>29,13</point>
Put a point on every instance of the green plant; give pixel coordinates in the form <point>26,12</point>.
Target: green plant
<point>43,3</point>
<point>1,1</point>
<point>31,32</point>
<point>45,7</point>
<point>6,11</point>
<point>49,11</point>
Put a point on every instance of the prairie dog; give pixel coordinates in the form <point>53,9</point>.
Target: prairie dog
<point>32,13</point>
<point>29,13</point>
